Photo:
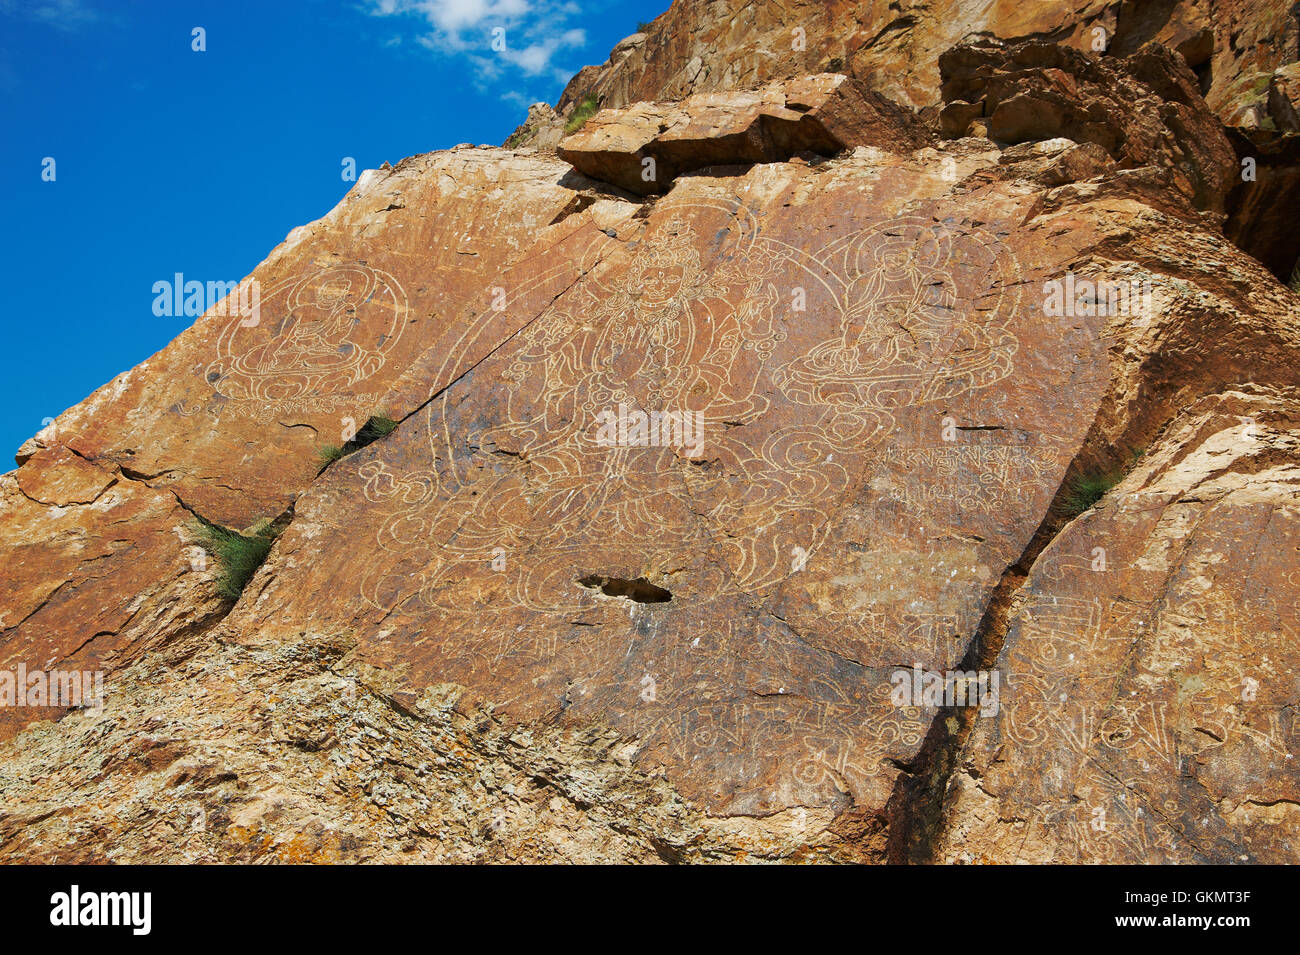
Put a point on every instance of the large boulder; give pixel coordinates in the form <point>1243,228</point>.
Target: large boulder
<point>645,147</point>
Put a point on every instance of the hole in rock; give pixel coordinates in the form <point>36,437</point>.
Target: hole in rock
<point>639,590</point>
<point>1205,76</point>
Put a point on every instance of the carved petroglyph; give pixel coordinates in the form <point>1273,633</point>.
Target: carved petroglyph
<point>329,331</point>
<point>1110,748</point>
<point>969,477</point>
<point>1059,695</point>
<point>520,500</point>
<point>663,332</point>
<point>1106,821</point>
<point>922,309</point>
<point>1147,713</point>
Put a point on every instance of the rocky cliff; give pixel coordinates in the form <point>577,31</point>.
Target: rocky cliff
<point>873,436</point>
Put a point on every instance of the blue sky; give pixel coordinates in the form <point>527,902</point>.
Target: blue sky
<point>170,160</point>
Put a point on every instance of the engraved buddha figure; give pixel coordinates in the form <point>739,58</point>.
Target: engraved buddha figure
<point>658,285</point>
<point>909,329</point>
<point>316,331</point>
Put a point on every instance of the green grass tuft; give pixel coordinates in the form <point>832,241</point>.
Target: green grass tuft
<point>378,426</point>
<point>1087,489</point>
<point>328,455</point>
<point>1294,283</point>
<point>586,109</point>
<point>238,554</point>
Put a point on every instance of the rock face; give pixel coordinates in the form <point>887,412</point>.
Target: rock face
<point>1144,110</point>
<point>1147,714</point>
<point>863,486</point>
<point>1284,98</point>
<point>101,549</point>
<point>711,45</point>
<point>542,130</point>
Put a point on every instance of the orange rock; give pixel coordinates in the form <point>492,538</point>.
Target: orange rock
<point>707,46</point>
<point>705,512</point>
<point>1146,715</point>
<point>644,148</point>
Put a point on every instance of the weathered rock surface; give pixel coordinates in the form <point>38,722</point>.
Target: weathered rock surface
<point>97,571</point>
<point>1252,41</point>
<point>214,754</point>
<point>1149,712</point>
<point>541,130</point>
<point>713,45</point>
<point>683,482</point>
<point>101,553</point>
<point>1284,98</point>
<point>1144,110</point>
<point>490,517</point>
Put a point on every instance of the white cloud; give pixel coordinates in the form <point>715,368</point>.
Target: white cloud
<point>535,58</point>
<point>528,34</point>
<point>452,16</point>
<point>518,99</point>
